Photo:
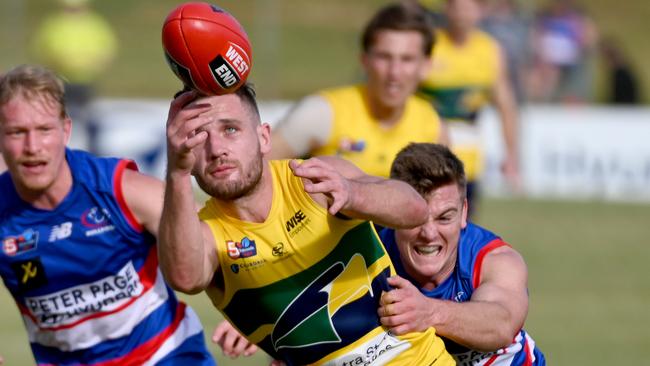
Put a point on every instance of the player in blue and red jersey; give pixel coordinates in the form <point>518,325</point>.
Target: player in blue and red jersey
<point>78,254</point>
<point>455,276</point>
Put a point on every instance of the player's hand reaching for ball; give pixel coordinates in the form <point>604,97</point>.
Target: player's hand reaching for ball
<point>184,119</point>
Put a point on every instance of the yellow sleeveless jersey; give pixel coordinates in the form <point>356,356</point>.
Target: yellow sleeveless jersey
<point>305,285</point>
<point>459,85</point>
<point>356,136</point>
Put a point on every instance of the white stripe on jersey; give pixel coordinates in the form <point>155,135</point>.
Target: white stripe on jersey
<point>93,331</point>
<point>189,326</point>
<point>504,357</point>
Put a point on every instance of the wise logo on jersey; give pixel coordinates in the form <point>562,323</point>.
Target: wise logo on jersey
<point>14,245</point>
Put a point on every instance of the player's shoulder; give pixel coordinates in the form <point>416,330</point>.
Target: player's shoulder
<point>347,91</point>
<point>484,39</point>
<point>476,237</point>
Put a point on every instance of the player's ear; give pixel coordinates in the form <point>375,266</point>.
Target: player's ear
<point>264,136</point>
<point>363,58</point>
<point>463,217</point>
<point>425,68</point>
<point>67,129</point>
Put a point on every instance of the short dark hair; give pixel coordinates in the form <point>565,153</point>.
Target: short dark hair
<point>427,166</point>
<point>400,17</point>
<point>248,95</point>
<point>33,81</point>
<point>245,92</point>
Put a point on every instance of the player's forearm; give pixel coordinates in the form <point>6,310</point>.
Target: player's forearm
<point>180,247</point>
<point>388,203</point>
<point>477,325</point>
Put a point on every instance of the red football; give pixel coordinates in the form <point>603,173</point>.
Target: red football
<point>207,48</point>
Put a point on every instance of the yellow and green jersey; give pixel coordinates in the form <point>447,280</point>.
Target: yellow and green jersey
<point>358,137</point>
<point>305,285</point>
<point>459,85</point>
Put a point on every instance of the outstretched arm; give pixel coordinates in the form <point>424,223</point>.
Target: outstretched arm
<point>506,106</point>
<point>342,187</point>
<point>186,249</point>
<point>487,322</point>
<point>307,126</point>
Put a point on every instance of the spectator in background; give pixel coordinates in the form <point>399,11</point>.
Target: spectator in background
<point>563,40</point>
<point>78,44</point>
<point>468,72</point>
<point>505,22</point>
<point>370,122</point>
<point>622,80</point>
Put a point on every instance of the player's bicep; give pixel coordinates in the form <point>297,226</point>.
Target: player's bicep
<point>306,126</point>
<point>504,279</point>
<point>144,197</point>
<point>211,263</point>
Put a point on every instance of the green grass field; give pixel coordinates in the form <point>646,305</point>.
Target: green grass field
<point>589,290</point>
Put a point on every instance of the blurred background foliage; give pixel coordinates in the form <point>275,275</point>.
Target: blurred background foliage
<point>299,46</point>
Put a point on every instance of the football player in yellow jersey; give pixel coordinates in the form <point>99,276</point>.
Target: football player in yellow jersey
<point>468,72</point>
<point>284,248</point>
<point>370,122</point>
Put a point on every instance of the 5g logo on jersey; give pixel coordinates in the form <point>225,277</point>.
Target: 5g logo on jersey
<point>60,231</point>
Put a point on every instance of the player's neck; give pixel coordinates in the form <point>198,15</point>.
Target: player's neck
<point>254,206</point>
<point>387,116</point>
<point>50,197</point>
<point>439,278</point>
<point>459,36</point>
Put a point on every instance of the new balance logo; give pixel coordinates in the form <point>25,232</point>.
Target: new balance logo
<point>60,231</point>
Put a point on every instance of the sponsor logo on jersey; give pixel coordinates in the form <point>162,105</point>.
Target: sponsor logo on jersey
<point>347,144</point>
<point>472,357</point>
<point>297,223</point>
<point>281,252</point>
<point>30,274</point>
<point>460,296</point>
<point>14,245</point>
<point>307,320</point>
<point>97,220</point>
<point>377,350</point>
<point>75,303</point>
<point>60,232</point>
<point>234,268</point>
<point>241,249</point>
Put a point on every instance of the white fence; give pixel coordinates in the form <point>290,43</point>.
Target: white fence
<point>579,152</point>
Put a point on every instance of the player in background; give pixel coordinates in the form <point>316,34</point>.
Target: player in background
<point>76,42</point>
<point>283,248</point>
<point>78,247</point>
<point>468,71</point>
<point>370,122</point>
<point>453,275</point>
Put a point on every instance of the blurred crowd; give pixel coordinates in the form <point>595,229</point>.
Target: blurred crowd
<point>554,52</point>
